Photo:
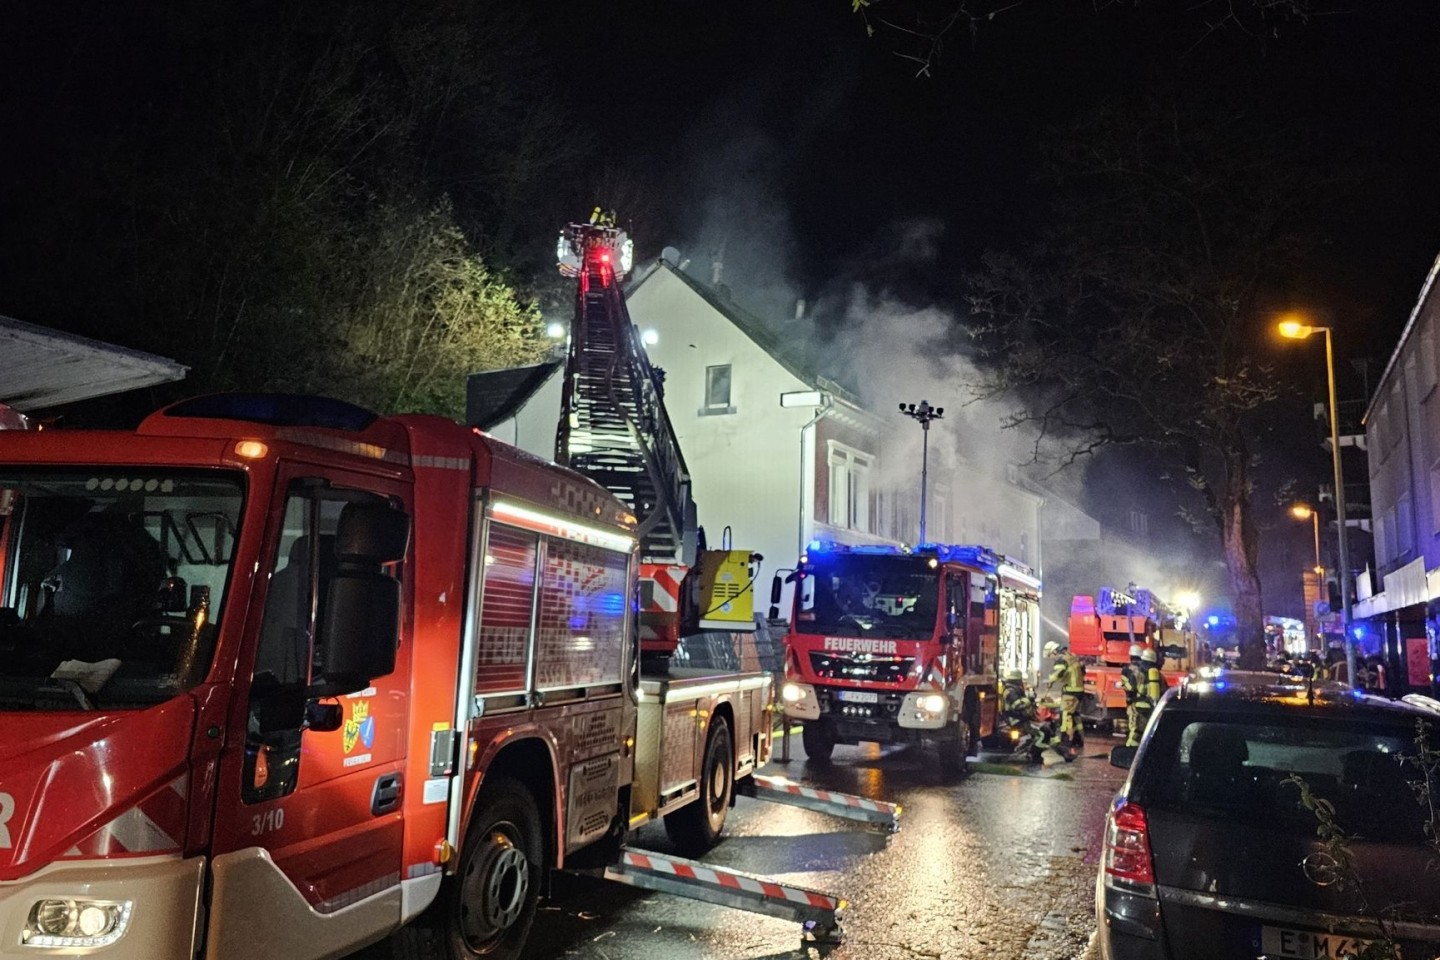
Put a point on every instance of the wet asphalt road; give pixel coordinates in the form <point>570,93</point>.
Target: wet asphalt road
<point>995,866</point>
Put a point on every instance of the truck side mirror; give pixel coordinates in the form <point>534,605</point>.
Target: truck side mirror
<point>776,586</point>
<point>360,632</point>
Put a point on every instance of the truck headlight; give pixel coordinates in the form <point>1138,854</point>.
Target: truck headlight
<point>57,922</point>
<point>931,703</point>
<point>792,693</point>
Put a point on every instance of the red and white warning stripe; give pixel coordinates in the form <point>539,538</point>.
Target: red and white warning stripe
<point>154,825</point>
<point>781,785</point>
<point>665,598</point>
<point>689,870</point>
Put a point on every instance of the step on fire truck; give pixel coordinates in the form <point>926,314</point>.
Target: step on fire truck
<point>893,645</point>
<point>1104,627</point>
<point>280,676</point>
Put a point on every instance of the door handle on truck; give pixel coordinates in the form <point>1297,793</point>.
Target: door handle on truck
<point>386,796</point>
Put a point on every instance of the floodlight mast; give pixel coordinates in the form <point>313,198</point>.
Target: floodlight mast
<point>923,413</point>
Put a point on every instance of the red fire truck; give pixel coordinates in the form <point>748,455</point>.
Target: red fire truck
<point>893,645</point>
<point>280,676</point>
<point>1102,630</point>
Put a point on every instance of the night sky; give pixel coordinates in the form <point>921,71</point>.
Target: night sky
<point>776,136</point>
<point>789,105</point>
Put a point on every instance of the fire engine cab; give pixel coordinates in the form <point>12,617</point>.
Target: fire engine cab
<point>892,645</point>
<point>1102,630</point>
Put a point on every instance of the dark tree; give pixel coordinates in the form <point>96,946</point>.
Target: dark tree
<point>327,197</point>
<point>1142,319</point>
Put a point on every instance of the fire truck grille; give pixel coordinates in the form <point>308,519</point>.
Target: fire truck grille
<point>862,667</point>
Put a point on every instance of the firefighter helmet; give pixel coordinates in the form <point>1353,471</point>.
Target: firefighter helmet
<point>1014,674</point>
<point>1148,656</point>
<point>1135,651</point>
<point>1052,648</point>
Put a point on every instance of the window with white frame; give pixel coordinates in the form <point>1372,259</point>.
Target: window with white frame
<point>1385,537</point>
<point>937,519</point>
<point>1139,523</point>
<point>717,390</point>
<point>1404,525</point>
<point>850,488</point>
<point>902,519</point>
<point>1435,497</point>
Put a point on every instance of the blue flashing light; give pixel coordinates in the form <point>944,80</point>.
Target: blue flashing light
<point>1213,620</point>
<point>1221,684</point>
<point>1358,631</point>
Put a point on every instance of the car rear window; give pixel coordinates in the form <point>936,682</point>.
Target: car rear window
<point>1236,768</point>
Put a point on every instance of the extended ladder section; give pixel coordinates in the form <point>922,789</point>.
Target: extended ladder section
<point>846,805</point>
<point>613,426</point>
<point>818,913</point>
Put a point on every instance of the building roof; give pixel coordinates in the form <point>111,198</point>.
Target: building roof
<point>494,396</point>
<point>750,325</point>
<point>42,368</point>
<point>1384,380</point>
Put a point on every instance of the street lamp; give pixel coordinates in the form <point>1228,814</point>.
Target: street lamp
<point>924,413</point>
<point>1294,329</point>
<point>1301,511</point>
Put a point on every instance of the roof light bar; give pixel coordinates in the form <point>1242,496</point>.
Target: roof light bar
<point>1010,572</point>
<point>560,526</point>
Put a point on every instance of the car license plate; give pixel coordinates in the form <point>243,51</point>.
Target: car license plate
<point>859,696</point>
<point>1309,944</point>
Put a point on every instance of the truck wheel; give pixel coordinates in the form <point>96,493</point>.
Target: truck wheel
<point>694,828</point>
<point>818,739</point>
<point>490,902</point>
<point>955,751</point>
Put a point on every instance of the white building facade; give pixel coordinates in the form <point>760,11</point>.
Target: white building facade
<point>1401,607</point>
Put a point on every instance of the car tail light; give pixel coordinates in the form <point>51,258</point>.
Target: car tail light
<point>1127,847</point>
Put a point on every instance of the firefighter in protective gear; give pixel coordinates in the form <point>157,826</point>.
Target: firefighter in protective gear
<point>1132,678</point>
<point>1019,711</point>
<point>1017,707</point>
<point>1069,672</point>
<point>1148,694</point>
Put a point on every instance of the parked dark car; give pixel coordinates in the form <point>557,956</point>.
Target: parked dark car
<point>1209,853</point>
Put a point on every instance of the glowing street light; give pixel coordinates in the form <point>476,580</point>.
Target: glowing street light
<point>923,413</point>
<point>1189,601</point>
<point>1301,511</point>
<point>1293,327</point>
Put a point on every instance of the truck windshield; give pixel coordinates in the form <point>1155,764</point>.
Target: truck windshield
<point>859,596</point>
<point>112,583</point>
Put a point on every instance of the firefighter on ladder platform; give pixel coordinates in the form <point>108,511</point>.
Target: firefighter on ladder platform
<point>1069,672</point>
